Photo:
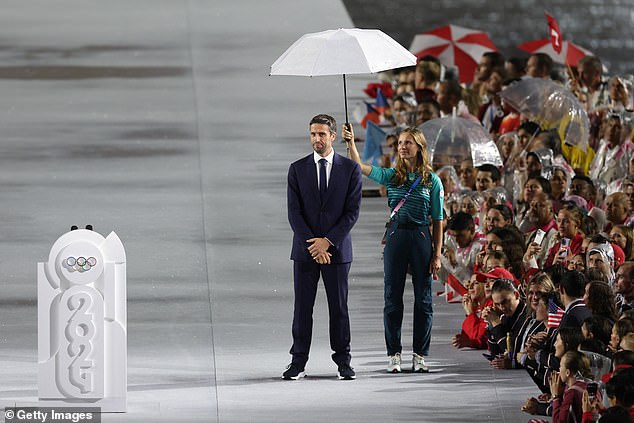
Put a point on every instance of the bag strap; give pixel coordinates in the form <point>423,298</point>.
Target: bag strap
<point>404,199</point>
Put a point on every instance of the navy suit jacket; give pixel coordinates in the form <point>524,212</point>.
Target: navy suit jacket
<point>334,217</point>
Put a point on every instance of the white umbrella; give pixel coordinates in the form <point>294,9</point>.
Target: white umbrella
<point>341,52</point>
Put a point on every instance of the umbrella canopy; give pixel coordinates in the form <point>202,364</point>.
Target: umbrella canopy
<point>341,52</point>
<point>454,46</point>
<point>552,106</point>
<point>452,139</point>
<point>570,52</point>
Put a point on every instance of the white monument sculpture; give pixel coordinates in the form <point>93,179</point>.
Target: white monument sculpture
<point>82,319</point>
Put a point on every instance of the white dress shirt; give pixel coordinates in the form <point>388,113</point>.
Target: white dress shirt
<point>329,159</point>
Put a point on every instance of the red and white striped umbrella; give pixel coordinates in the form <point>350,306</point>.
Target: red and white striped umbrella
<point>454,46</point>
<point>570,52</point>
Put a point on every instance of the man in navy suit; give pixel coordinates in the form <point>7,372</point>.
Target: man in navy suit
<point>324,197</point>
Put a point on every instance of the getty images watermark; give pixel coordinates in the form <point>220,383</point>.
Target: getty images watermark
<point>52,415</point>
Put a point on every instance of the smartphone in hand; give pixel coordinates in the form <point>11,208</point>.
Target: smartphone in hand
<point>564,246</point>
<point>539,237</point>
<point>592,390</point>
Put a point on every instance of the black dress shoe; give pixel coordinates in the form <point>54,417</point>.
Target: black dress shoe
<point>345,372</point>
<point>293,372</point>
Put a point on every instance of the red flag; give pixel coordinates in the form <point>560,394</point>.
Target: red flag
<point>554,32</point>
<point>455,284</point>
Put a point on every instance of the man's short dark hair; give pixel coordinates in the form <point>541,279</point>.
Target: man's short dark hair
<point>599,239</point>
<point>621,387</point>
<point>583,178</point>
<point>543,182</point>
<point>600,327</point>
<point>493,170</point>
<point>518,63</point>
<point>504,210</point>
<point>552,140</point>
<point>461,221</point>
<point>623,358</point>
<point>593,274</point>
<point>573,283</point>
<point>429,58</point>
<point>503,285</point>
<point>544,63</point>
<point>530,127</point>
<point>616,414</point>
<point>497,59</point>
<point>556,272</point>
<point>453,88</point>
<point>628,265</point>
<point>324,119</point>
<point>432,102</point>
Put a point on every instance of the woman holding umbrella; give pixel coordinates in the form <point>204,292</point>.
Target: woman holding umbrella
<point>414,194</point>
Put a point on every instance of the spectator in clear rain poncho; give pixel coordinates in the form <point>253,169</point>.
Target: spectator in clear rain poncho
<point>491,197</point>
<point>467,174</point>
<point>540,215</point>
<point>535,184</point>
<point>451,185</point>
<point>616,211</point>
<point>471,203</point>
<point>601,257</point>
<point>498,216</point>
<point>507,146</point>
<point>620,89</point>
<point>462,245</point>
<point>611,160</point>
<point>560,178</point>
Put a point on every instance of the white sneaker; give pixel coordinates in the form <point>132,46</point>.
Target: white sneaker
<point>418,364</point>
<point>394,365</point>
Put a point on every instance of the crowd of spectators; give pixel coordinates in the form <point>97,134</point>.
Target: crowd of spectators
<point>543,245</point>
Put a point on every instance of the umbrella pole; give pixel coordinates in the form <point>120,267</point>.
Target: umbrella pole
<point>345,97</point>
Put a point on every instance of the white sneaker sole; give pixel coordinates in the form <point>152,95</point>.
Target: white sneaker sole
<point>420,370</point>
<point>300,375</point>
<point>343,378</point>
<point>394,370</point>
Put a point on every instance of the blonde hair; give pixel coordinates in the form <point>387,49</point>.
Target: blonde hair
<point>423,164</point>
<point>542,279</point>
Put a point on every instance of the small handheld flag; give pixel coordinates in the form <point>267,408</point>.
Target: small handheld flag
<point>374,136</point>
<point>555,313</point>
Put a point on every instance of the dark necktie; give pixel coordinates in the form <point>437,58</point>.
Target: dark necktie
<point>322,177</point>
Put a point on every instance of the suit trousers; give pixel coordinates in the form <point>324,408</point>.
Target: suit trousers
<point>306,278</point>
<point>407,247</point>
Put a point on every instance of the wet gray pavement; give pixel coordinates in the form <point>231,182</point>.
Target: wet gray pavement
<point>158,120</point>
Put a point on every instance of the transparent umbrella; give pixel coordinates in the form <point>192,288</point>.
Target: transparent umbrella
<point>552,106</point>
<point>453,139</point>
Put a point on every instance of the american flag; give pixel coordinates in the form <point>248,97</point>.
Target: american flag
<point>555,314</point>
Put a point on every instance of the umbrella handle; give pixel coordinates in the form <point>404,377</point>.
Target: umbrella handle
<point>345,97</point>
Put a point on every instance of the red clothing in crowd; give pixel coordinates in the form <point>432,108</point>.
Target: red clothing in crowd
<point>474,327</point>
<point>564,408</point>
<point>510,123</point>
<point>575,248</point>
